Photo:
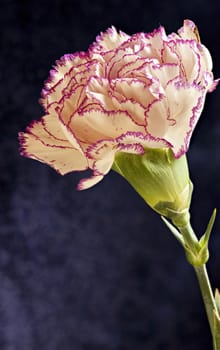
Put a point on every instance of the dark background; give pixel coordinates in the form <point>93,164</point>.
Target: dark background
<point>96,269</point>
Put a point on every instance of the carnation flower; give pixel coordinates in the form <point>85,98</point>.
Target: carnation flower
<point>125,94</point>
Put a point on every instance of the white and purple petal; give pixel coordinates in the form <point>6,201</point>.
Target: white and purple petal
<point>45,142</point>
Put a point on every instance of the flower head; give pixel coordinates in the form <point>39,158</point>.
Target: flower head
<point>125,94</point>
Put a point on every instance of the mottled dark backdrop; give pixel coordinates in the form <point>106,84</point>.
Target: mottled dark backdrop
<point>95,270</point>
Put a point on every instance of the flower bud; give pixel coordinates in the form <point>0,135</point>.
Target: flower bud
<point>161,180</point>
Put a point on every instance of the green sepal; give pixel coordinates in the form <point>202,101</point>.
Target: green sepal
<point>159,178</point>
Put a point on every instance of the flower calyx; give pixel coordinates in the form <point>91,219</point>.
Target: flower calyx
<point>160,179</point>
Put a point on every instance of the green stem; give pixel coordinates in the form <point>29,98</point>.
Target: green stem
<point>207,294</point>
<point>194,258</point>
<point>189,236</point>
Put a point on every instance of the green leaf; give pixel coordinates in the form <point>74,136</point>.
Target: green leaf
<point>217,300</point>
<point>174,231</point>
<point>205,238</point>
<point>216,319</point>
<point>216,330</point>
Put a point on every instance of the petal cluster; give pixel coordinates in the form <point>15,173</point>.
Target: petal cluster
<point>125,94</point>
